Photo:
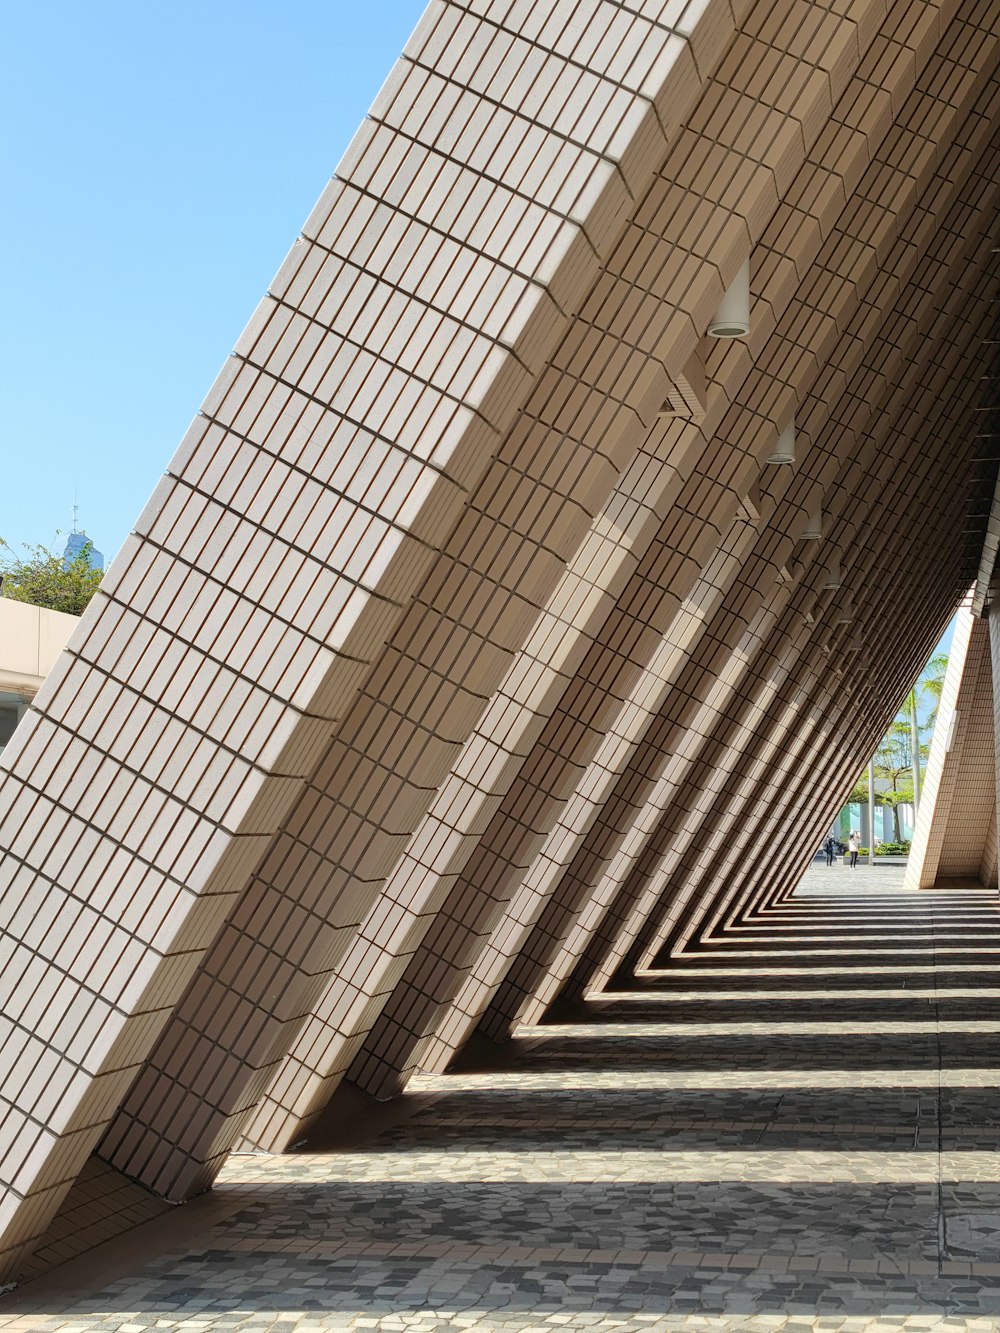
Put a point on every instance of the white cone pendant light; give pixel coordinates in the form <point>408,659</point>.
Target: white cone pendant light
<point>814,527</point>
<point>843,613</point>
<point>732,319</point>
<point>783,453</point>
<point>833,577</point>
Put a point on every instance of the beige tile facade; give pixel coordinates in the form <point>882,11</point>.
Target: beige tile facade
<point>469,651</point>
<point>955,837</point>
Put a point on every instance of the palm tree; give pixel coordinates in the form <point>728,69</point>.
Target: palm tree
<point>911,708</point>
<point>931,683</point>
<point>901,748</point>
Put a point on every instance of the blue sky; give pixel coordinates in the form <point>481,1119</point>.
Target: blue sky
<point>158,160</point>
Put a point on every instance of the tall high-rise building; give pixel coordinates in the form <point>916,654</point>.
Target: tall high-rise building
<point>79,544</point>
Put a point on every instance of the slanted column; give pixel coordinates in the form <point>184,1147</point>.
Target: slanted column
<point>991,854</point>
<point>955,834</point>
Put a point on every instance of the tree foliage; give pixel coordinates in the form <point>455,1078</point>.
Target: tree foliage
<point>893,760</point>
<point>894,755</point>
<point>894,764</point>
<point>931,683</point>
<point>42,578</point>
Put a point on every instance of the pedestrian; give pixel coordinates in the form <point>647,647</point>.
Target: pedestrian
<point>854,846</point>
<point>830,847</point>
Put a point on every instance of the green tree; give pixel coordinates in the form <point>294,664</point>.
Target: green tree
<point>43,578</point>
<point>902,796</point>
<point>902,750</point>
<point>931,683</point>
<point>894,760</point>
<point>859,796</point>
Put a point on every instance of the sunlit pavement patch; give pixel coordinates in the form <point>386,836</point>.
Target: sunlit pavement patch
<point>639,1174</point>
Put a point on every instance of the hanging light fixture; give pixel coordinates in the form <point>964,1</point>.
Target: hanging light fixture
<point>843,612</point>
<point>732,319</point>
<point>814,527</point>
<point>833,577</point>
<point>783,453</point>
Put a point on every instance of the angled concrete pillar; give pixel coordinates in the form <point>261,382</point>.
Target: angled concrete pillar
<point>955,835</point>
<point>456,567</point>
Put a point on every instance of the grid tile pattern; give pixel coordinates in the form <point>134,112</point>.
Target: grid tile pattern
<point>846,776</point>
<point>700,818</point>
<point>503,927</point>
<point>326,880</point>
<point>469,656</point>
<point>367,407</point>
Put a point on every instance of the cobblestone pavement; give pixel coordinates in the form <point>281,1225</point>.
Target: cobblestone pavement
<point>795,1131</point>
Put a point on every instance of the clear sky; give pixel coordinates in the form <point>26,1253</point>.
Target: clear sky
<point>158,159</point>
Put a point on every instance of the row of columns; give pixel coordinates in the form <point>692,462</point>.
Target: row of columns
<point>564,683</point>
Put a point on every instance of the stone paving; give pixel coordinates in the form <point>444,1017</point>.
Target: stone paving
<point>774,1135</point>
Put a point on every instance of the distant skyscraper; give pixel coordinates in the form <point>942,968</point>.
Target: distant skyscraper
<point>78,544</point>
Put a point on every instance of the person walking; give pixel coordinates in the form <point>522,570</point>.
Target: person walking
<point>854,846</point>
<point>830,847</point>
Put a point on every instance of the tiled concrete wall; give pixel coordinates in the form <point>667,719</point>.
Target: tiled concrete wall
<point>447,671</point>
<point>923,403</point>
<point>504,927</point>
<point>955,835</point>
<point>873,635</point>
<point>353,502</point>
<point>993,623</point>
<point>702,818</point>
